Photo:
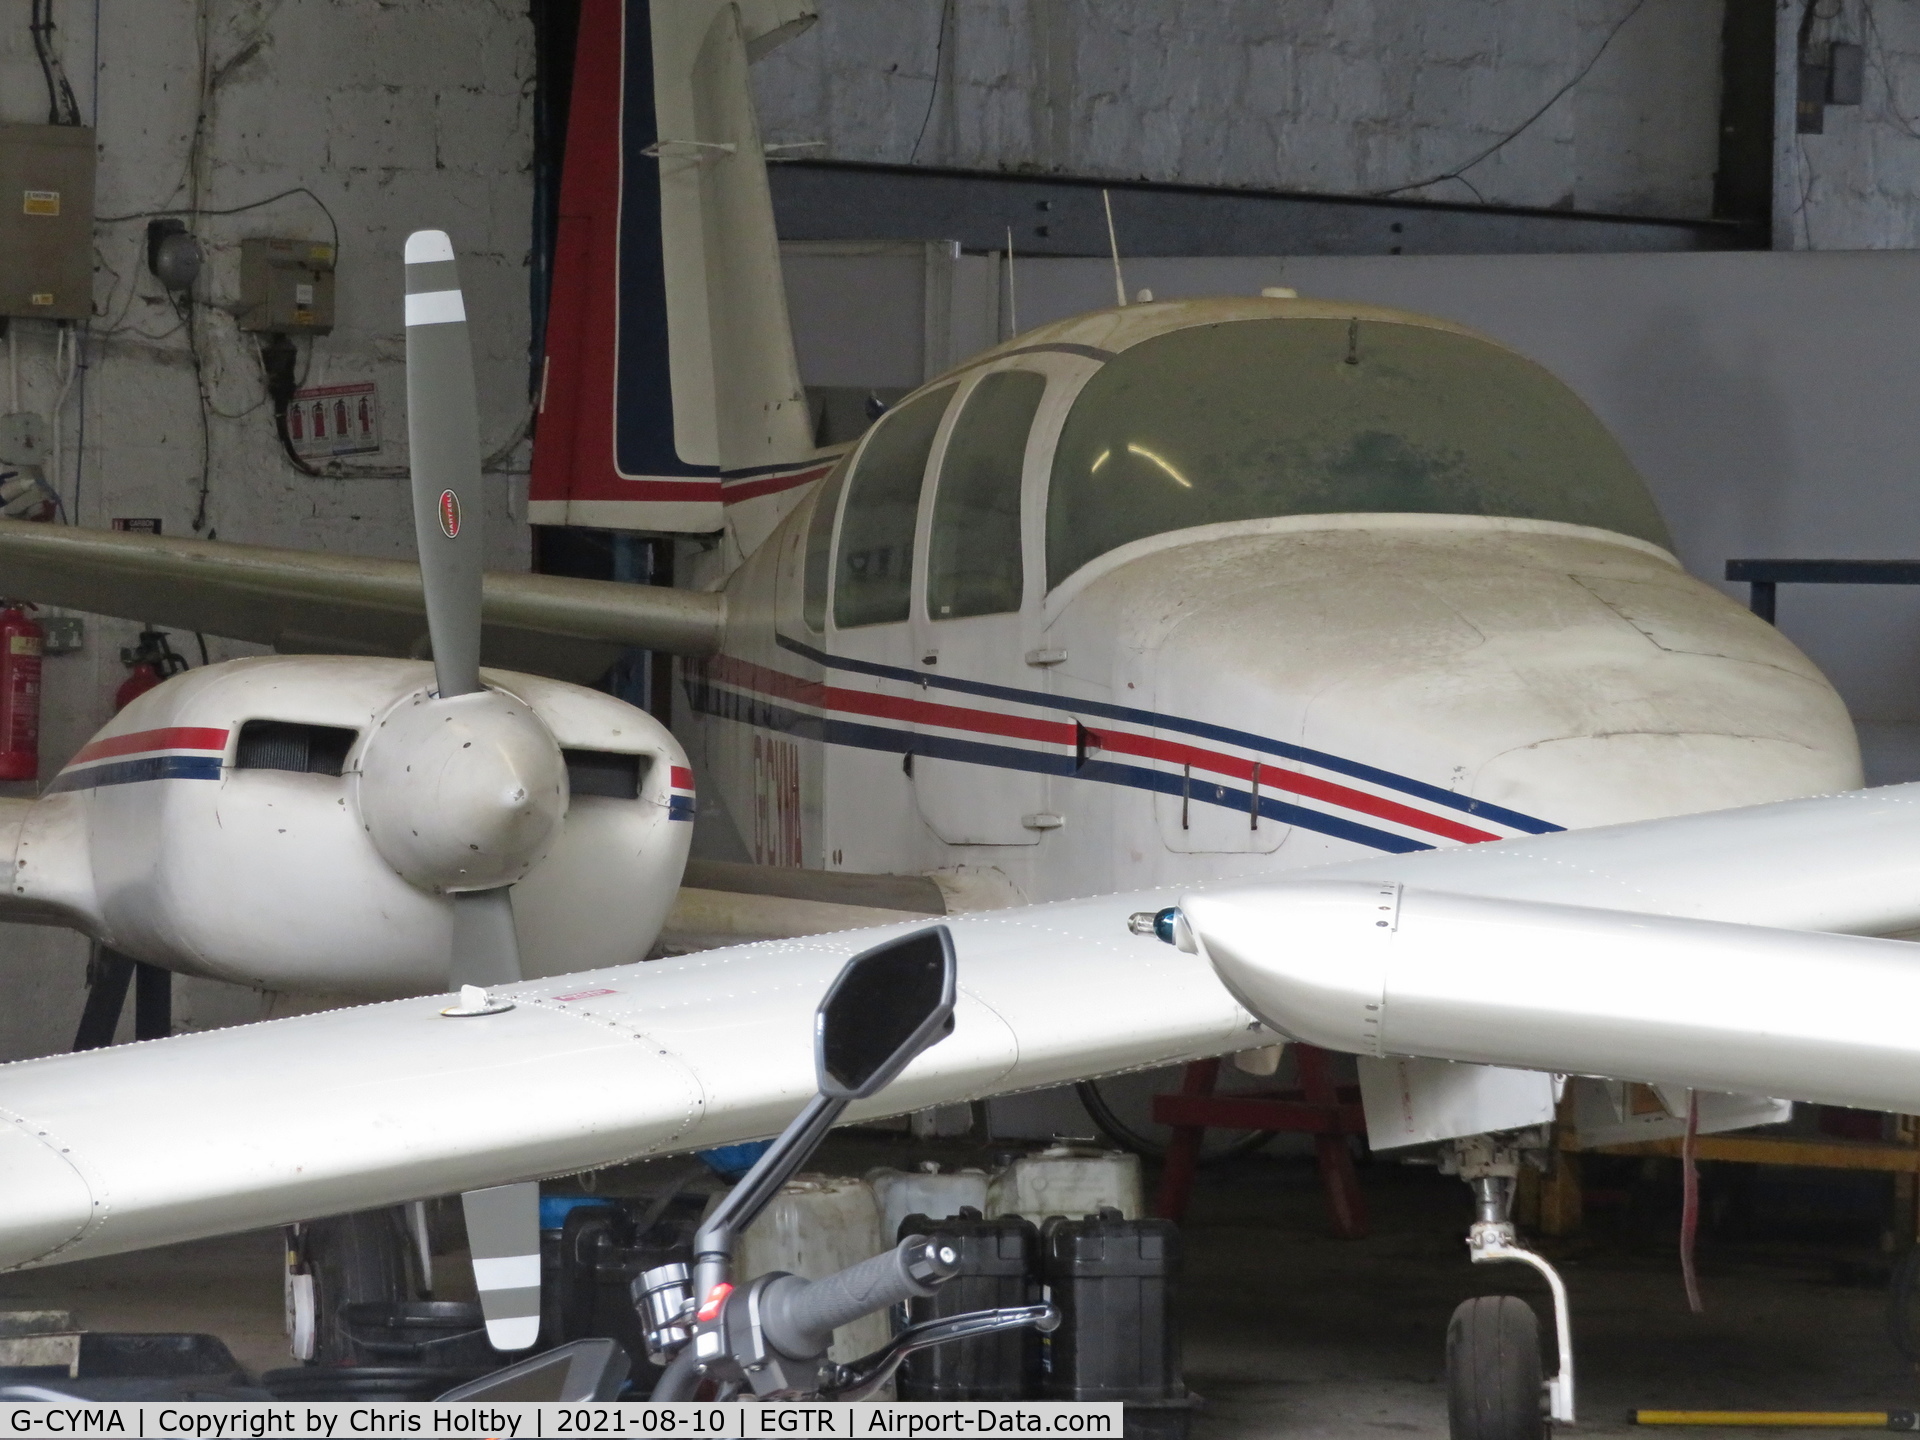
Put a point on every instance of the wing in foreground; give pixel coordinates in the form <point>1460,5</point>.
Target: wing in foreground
<point>144,1145</point>
<point>309,602</point>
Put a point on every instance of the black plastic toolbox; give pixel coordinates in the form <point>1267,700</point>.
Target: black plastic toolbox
<point>997,1266</point>
<point>1114,1282</point>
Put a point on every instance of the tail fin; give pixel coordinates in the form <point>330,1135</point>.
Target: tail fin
<point>671,389</point>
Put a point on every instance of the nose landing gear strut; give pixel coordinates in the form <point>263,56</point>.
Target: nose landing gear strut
<point>1495,1389</point>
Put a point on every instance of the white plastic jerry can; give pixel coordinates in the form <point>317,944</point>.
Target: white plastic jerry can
<point>816,1225</point>
<point>1068,1179</point>
<point>928,1191</point>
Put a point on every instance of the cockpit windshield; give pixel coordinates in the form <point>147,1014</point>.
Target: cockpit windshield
<point>1252,418</point>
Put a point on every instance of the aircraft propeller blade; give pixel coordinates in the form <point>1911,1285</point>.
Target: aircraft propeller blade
<point>443,434</point>
<point>486,949</point>
<point>503,1235</point>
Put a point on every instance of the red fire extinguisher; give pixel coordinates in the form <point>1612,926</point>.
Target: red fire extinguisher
<point>148,663</point>
<point>21,642</point>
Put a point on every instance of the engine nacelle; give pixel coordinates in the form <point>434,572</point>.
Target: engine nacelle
<point>224,825</point>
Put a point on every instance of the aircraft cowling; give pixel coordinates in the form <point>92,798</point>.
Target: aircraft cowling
<point>175,840</point>
<point>1564,673</point>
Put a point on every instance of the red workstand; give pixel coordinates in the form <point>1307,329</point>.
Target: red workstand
<point>1318,1107</point>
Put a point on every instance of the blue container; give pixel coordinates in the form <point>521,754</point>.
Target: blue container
<point>730,1162</point>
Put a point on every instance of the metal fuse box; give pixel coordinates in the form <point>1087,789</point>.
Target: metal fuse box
<point>46,221</point>
<point>286,286</point>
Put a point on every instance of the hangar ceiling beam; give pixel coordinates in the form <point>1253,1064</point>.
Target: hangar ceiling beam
<point>1059,215</point>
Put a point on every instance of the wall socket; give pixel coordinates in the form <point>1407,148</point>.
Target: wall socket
<point>64,634</point>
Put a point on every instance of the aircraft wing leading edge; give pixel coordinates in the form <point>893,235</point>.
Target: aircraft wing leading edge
<point>1839,862</point>
<point>171,1140</point>
<point>311,602</point>
<point>140,1145</point>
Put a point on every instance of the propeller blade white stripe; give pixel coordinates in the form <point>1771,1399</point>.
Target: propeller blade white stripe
<point>506,1272</point>
<point>436,307</point>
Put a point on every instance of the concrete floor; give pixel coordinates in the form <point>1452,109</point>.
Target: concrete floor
<point>1292,1333</point>
<point>1288,1332</point>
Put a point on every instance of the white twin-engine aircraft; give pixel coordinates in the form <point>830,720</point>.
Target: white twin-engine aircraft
<point>1145,605</point>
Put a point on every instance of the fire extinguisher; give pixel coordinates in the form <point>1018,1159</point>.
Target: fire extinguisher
<point>148,663</point>
<point>21,642</point>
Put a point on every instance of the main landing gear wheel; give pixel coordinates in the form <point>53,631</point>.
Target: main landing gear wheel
<point>1494,1372</point>
<point>352,1258</point>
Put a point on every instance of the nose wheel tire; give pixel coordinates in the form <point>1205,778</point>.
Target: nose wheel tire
<point>1494,1387</point>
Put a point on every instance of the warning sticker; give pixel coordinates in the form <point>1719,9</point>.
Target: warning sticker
<point>42,297</point>
<point>330,420</point>
<point>24,644</point>
<point>40,202</point>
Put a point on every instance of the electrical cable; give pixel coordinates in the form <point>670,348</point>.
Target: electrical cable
<point>939,50</point>
<point>62,108</point>
<point>86,326</point>
<point>183,306</point>
<point>332,223</point>
<point>1876,51</point>
<point>1458,172</point>
<point>67,345</point>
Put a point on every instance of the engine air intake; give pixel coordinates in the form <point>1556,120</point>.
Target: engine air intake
<point>605,772</point>
<point>291,745</point>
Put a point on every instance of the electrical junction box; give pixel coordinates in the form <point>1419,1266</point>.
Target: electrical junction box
<point>46,221</point>
<point>286,287</point>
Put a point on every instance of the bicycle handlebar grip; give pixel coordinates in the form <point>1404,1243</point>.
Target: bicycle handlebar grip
<point>800,1316</point>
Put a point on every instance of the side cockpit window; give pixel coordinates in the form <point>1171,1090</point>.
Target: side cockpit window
<point>819,558</point>
<point>974,565</point>
<point>875,570</point>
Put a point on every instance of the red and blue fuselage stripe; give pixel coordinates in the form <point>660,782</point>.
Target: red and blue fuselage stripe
<point>799,724</point>
<point>807,709</point>
<point>1200,729</point>
<point>181,752</point>
<point>680,804</point>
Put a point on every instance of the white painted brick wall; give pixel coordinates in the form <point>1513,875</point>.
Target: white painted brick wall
<point>1348,96</point>
<point>1857,185</point>
<point>400,116</point>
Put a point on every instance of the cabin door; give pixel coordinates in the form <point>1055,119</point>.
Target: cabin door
<point>981,755</point>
